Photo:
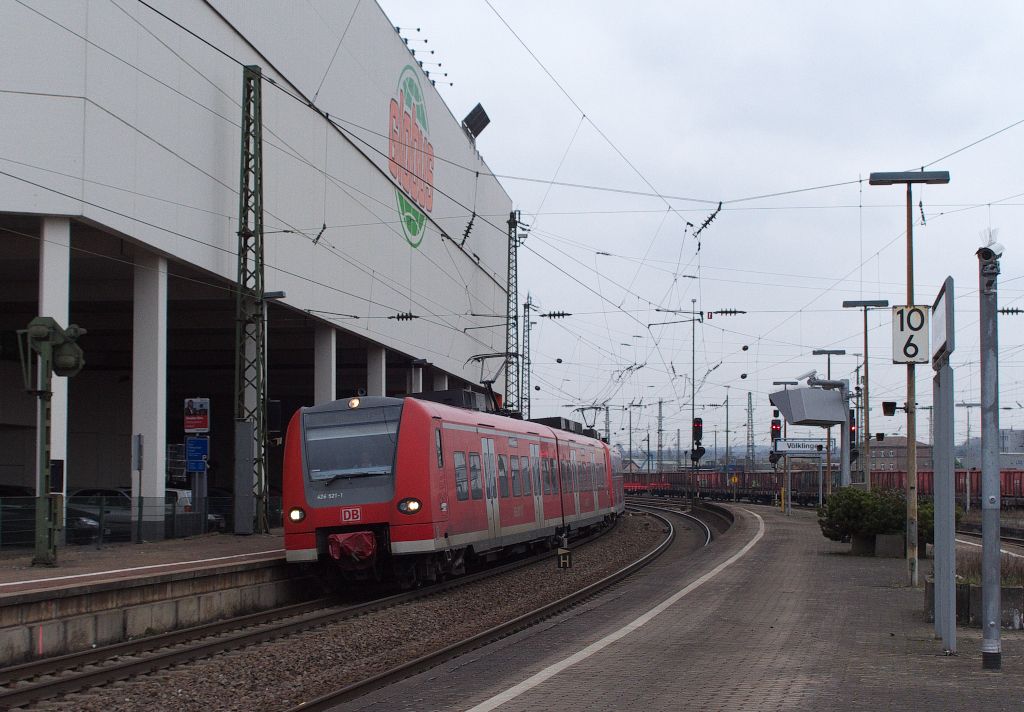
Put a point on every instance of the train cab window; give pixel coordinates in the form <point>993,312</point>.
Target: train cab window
<point>513,471</point>
<point>440,453</point>
<point>547,475</point>
<point>461,478</point>
<point>526,476</point>
<point>503,475</point>
<point>476,485</point>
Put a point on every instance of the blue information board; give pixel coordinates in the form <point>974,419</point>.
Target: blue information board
<point>196,452</point>
<point>197,448</point>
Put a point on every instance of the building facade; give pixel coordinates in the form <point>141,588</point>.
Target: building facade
<point>119,212</point>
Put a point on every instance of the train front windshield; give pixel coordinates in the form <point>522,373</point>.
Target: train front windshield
<point>351,443</point>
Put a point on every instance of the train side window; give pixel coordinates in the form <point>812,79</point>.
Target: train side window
<point>553,463</point>
<point>601,483</point>
<point>503,475</point>
<point>526,476</point>
<point>461,480</point>
<point>547,475</point>
<point>440,453</point>
<point>590,477</point>
<point>513,471</point>
<point>476,485</point>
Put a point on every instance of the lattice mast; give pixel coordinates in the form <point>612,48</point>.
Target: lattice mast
<point>512,316</point>
<point>524,396</point>
<point>660,430</point>
<point>250,315</point>
<point>749,464</point>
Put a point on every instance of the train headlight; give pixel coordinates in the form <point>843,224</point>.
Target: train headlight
<point>354,403</point>
<point>409,505</point>
<point>296,515</point>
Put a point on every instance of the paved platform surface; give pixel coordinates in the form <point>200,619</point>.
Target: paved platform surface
<point>790,622</point>
<point>80,565</point>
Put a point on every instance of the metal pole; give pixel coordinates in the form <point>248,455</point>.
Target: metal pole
<point>660,453</point>
<point>945,504</point>
<point>789,502</point>
<point>631,463</point>
<point>693,394</point>
<point>911,412</point>
<point>727,451</point>
<point>866,465</point>
<point>828,438</point>
<point>991,647</point>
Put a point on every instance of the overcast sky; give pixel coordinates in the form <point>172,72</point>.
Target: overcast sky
<point>704,102</point>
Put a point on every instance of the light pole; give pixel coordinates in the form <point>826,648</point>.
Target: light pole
<point>865,305</point>
<point>788,500</point>
<point>911,177</point>
<point>967,458</point>
<point>829,353</point>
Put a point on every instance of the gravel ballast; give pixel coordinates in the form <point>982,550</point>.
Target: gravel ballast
<point>283,673</point>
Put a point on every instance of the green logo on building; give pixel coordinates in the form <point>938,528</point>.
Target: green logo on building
<point>411,156</point>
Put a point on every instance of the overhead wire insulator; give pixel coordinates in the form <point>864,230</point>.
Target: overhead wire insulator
<point>1010,310</point>
<point>404,316</point>
<point>556,315</point>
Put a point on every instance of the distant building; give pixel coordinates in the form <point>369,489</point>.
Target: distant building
<point>890,453</point>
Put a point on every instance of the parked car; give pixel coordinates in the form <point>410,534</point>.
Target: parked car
<point>18,519</point>
<point>112,506</point>
<point>179,503</point>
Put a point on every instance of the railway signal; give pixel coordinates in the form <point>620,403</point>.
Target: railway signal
<point>776,429</point>
<point>697,453</point>
<point>698,430</point>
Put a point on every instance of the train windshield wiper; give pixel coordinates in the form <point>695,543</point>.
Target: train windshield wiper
<point>354,474</point>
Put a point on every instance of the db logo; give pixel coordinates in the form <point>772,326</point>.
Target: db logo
<point>350,514</point>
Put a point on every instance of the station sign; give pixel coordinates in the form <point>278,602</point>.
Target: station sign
<point>910,334</point>
<point>197,451</point>
<point>197,415</point>
<point>805,447</point>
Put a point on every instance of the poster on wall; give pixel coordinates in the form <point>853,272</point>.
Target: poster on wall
<point>197,415</point>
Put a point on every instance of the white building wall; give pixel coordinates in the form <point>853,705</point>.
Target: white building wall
<point>136,129</point>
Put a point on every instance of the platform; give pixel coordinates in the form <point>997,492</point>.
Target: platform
<point>98,597</point>
<point>87,564</point>
<point>770,616</point>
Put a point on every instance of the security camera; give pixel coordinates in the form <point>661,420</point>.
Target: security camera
<point>991,252</point>
<point>809,374</point>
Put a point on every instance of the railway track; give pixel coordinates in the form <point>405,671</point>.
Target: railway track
<point>413,667</point>
<point>53,677</point>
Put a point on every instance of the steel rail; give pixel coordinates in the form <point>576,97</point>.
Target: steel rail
<point>413,667</point>
<point>69,682</point>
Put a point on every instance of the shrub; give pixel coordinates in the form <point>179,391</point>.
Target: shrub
<point>926,522</point>
<point>853,512</point>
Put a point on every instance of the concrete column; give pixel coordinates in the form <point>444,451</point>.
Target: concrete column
<point>440,381</point>
<point>54,300</point>
<point>376,370</point>
<point>149,389</point>
<point>325,364</point>
<point>416,379</point>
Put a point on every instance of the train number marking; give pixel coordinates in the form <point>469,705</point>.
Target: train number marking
<point>350,514</point>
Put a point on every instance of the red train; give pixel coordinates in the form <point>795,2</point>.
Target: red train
<point>764,485</point>
<point>412,490</point>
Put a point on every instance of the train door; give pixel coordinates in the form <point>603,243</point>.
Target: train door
<point>491,489</point>
<point>538,492</point>
<point>442,481</point>
<point>574,480</point>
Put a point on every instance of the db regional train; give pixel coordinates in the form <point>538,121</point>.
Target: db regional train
<point>410,490</point>
<point>763,486</point>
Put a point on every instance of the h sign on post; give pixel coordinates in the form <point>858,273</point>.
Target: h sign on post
<point>910,334</point>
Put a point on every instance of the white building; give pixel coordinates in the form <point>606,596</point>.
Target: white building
<point>119,182</point>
